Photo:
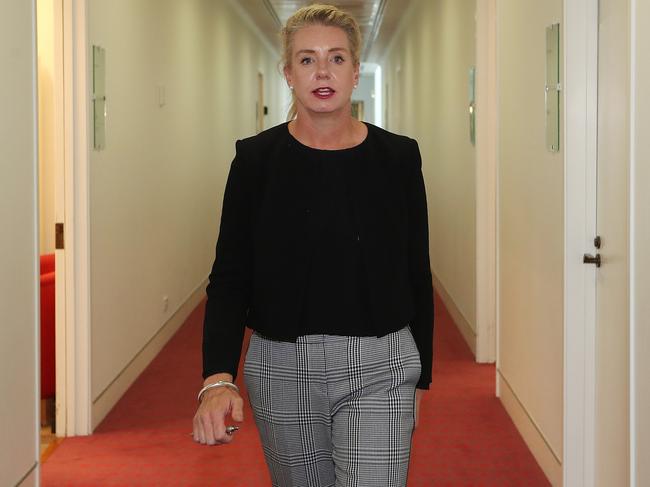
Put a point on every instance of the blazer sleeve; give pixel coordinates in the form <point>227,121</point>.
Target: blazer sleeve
<point>229,286</point>
<point>420,267</point>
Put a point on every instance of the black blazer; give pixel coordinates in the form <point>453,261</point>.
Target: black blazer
<point>269,224</point>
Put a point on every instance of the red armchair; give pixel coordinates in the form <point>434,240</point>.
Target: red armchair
<point>48,377</point>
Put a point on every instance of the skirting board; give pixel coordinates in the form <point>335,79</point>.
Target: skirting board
<point>31,477</point>
<point>463,325</point>
<point>546,458</point>
<point>109,397</point>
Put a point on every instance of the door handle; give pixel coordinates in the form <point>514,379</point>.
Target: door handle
<point>590,259</point>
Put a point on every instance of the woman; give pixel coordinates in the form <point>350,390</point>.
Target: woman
<point>323,252</point>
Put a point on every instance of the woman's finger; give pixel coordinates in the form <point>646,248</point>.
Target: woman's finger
<point>195,429</point>
<point>237,412</point>
<point>199,432</point>
<point>218,422</point>
<point>209,420</point>
<point>208,428</point>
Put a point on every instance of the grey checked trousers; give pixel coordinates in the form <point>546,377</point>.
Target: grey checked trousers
<point>334,410</point>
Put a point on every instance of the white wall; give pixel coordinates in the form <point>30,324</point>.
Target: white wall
<point>426,69</point>
<point>157,188</point>
<point>641,242</point>
<point>18,245</point>
<point>531,235</point>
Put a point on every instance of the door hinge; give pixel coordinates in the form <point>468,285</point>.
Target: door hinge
<point>59,239</point>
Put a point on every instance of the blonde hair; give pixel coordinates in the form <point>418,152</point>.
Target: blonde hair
<point>318,14</point>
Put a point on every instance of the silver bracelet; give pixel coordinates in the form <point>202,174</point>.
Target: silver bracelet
<point>219,383</point>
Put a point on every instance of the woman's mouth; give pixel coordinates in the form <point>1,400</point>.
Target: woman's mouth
<point>324,93</point>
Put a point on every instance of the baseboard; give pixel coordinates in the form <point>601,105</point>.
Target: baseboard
<point>463,325</point>
<point>549,461</point>
<point>116,389</point>
<point>31,477</point>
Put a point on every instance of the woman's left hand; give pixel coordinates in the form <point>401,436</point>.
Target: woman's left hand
<point>418,397</point>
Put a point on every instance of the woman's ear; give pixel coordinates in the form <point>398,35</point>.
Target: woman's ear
<point>287,77</point>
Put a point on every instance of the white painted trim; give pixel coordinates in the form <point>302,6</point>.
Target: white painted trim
<point>632,250</point>
<point>77,255</point>
<point>64,274</point>
<point>486,140</point>
<point>497,383</point>
<point>379,106</point>
<point>463,325</point>
<point>32,476</point>
<point>531,432</point>
<point>106,399</point>
<point>580,142</point>
<point>59,217</point>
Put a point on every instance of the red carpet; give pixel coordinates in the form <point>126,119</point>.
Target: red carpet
<point>465,438</point>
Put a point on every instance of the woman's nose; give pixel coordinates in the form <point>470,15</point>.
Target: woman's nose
<point>323,70</point>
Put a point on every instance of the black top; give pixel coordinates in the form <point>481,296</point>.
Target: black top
<point>319,241</point>
<point>335,300</point>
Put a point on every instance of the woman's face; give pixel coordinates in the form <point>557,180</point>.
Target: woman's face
<point>322,71</point>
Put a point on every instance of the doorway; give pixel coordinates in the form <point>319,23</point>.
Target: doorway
<point>261,108</point>
<point>67,181</point>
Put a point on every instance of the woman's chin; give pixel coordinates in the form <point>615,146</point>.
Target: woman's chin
<point>325,109</point>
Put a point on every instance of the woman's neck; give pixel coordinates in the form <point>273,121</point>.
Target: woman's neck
<point>328,132</point>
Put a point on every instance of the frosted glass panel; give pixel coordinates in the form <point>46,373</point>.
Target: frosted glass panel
<point>553,88</point>
<point>471,88</point>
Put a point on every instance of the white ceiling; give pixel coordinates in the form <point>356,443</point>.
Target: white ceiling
<point>378,20</point>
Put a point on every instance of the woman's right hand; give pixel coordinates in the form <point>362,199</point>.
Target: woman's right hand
<point>210,418</point>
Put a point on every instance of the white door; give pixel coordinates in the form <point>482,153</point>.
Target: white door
<point>612,292</point>
<point>72,207</point>
<point>596,339</point>
<point>640,258</point>
<point>59,215</point>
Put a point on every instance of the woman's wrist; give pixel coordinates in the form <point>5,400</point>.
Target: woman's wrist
<point>211,379</point>
<point>216,385</point>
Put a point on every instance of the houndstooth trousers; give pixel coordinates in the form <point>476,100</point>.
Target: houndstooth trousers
<point>334,410</point>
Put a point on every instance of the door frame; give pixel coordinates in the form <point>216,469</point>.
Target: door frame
<point>73,331</point>
<point>635,371</point>
<point>59,217</point>
<point>486,182</point>
<point>259,119</point>
<point>580,138</point>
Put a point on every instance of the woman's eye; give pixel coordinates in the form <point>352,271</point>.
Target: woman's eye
<point>305,60</point>
<point>338,59</point>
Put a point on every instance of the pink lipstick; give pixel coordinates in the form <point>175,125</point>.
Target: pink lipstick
<point>324,93</point>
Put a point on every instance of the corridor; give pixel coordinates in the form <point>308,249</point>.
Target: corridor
<point>120,123</point>
<point>465,437</point>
